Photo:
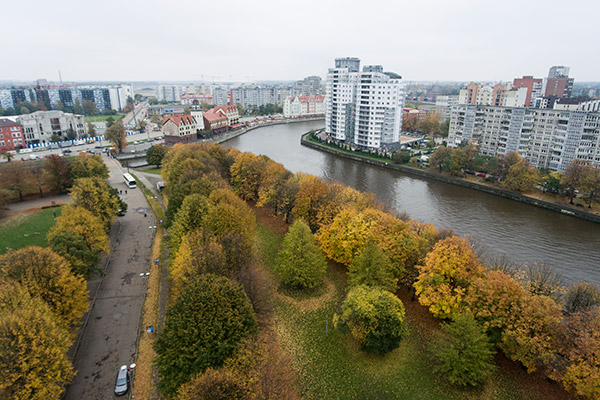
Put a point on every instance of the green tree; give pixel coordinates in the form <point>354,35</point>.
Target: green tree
<point>463,352</point>
<point>95,195</point>
<point>300,262</point>
<point>590,184</point>
<point>56,173</point>
<point>47,275</point>
<point>109,122</point>
<point>91,129</point>
<point>203,327</point>
<point>88,166</point>
<point>372,268</point>
<point>115,134</point>
<point>77,109</point>
<point>73,247</point>
<point>71,134</point>
<point>155,154</point>
<point>153,101</point>
<point>33,347</point>
<point>401,156</point>
<point>24,110</point>
<point>374,317</point>
<point>189,217</point>
<point>89,107</point>
<point>522,176</point>
<point>187,111</point>
<point>440,158</point>
<point>552,182</point>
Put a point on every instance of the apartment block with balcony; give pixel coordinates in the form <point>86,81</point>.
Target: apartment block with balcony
<point>11,135</point>
<point>41,126</point>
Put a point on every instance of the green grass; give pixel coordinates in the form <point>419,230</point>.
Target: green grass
<point>156,171</point>
<point>103,118</point>
<point>29,230</point>
<point>332,366</point>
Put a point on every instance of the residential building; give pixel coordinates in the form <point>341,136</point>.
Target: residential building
<point>558,82</point>
<point>534,88</point>
<point>194,99</point>
<point>443,106</point>
<point>590,106</point>
<point>302,106</point>
<point>558,71</point>
<point>230,112</point>
<point>9,98</point>
<point>546,138</point>
<point>41,127</point>
<point>179,128</point>
<point>11,135</point>
<point>310,86</point>
<point>215,121</point>
<point>409,113</point>
<point>363,108</point>
<point>220,96</point>
<point>170,93</point>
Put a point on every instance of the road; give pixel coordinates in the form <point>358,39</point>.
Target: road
<point>110,338</point>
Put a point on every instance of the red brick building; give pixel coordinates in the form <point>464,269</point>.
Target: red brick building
<point>179,128</point>
<point>215,121</point>
<point>533,85</point>
<point>11,135</point>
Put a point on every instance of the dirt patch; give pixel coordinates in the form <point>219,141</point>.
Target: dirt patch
<point>15,218</point>
<point>313,303</point>
<point>268,219</point>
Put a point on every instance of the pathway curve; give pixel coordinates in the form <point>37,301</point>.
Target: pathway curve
<point>109,339</point>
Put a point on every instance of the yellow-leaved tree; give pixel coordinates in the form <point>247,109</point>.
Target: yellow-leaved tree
<point>48,276</point>
<point>446,275</point>
<point>95,195</point>
<point>78,220</point>
<point>33,347</point>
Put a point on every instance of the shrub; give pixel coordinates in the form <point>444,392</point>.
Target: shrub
<point>372,268</point>
<point>203,328</point>
<point>374,317</point>
<point>463,352</point>
<point>300,262</point>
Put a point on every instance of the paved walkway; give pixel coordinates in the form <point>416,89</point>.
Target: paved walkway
<point>39,202</point>
<point>109,339</point>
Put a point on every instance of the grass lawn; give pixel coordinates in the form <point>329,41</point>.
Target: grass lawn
<point>27,229</point>
<point>103,118</point>
<point>329,365</point>
<point>156,171</point>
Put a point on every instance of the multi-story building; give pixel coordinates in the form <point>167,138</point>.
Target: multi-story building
<point>215,121</point>
<point>41,126</point>
<point>170,93</point>
<point>9,98</point>
<point>11,135</point>
<point>179,128</point>
<point>497,95</point>
<point>303,106</point>
<point>558,83</point>
<point>310,86</point>
<point>363,108</point>
<point>547,138</point>
<point>230,112</point>
<point>558,71</point>
<point>193,99</point>
<point>409,113</point>
<point>534,88</point>
<point>220,96</point>
<point>443,106</point>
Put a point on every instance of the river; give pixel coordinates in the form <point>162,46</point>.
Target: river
<point>524,233</point>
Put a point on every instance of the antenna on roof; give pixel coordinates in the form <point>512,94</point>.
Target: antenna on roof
<point>59,77</point>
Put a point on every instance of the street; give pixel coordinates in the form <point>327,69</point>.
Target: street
<point>110,338</point>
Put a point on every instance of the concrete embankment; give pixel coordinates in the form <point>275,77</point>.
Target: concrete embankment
<point>563,209</point>
<point>230,135</point>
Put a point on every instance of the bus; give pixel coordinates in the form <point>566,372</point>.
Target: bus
<point>129,180</point>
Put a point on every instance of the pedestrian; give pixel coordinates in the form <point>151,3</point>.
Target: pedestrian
<point>54,213</point>
<point>120,191</point>
<point>144,214</point>
<point>125,191</point>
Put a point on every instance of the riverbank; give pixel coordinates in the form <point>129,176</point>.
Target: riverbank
<point>230,135</point>
<point>560,208</point>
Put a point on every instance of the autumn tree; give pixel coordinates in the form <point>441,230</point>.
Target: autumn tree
<point>80,221</point>
<point>582,297</point>
<point>88,166</point>
<point>47,275</point>
<point>199,253</point>
<point>372,268</point>
<point>529,335</point>
<point>95,195</point>
<point>542,279</point>
<point>446,275</point>
<point>247,174</point>
<point>203,327</point>
<point>374,317</point>
<point>217,384</point>
<point>522,176</point>
<point>56,173</point>
<point>115,134</point>
<point>33,347</point>
<point>504,163</point>
<point>15,178</point>
<point>155,154</point>
<point>553,182</point>
<point>462,351</point>
<point>190,217</point>
<point>431,124</point>
<point>73,247</point>
<point>311,199</point>
<point>590,184</point>
<point>274,176</point>
<point>440,158</point>
<point>91,129</point>
<point>573,177</point>
<point>300,262</point>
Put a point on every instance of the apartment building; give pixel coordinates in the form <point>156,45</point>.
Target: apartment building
<point>498,95</point>
<point>443,106</point>
<point>11,135</point>
<point>170,93</point>
<point>230,112</point>
<point>303,106</point>
<point>546,138</point>
<point>363,108</point>
<point>533,86</point>
<point>41,126</point>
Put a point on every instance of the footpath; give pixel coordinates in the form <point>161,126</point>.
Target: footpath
<point>108,338</point>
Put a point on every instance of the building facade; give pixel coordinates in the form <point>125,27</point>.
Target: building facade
<point>215,121</point>
<point>41,127</point>
<point>230,112</point>
<point>533,86</point>
<point>547,138</point>
<point>303,106</point>
<point>443,106</point>
<point>11,135</point>
<point>179,128</point>
<point>363,108</point>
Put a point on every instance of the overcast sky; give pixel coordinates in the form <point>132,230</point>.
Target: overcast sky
<point>184,40</point>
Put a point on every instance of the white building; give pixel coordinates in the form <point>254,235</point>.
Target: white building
<point>40,126</point>
<point>443,106</point>
<point>171,93</point>
<point>363,108</point>
<point>303,106</point>
<point>546,138</point>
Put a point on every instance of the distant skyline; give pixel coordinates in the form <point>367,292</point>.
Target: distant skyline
<point>430,40</point>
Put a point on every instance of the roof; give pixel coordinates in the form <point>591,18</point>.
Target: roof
<point>7,122</point>
<point>213,116</point>
<point>225,108</point>
<point>178,119</point>
<point>306,99</point>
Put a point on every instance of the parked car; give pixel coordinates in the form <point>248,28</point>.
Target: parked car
<point>66,151</point>
<point>122,382</point>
